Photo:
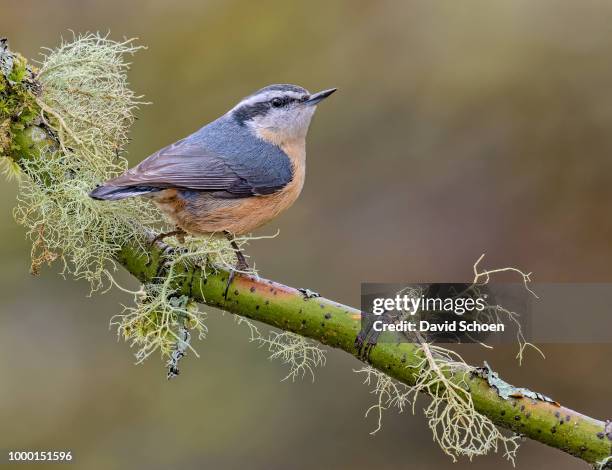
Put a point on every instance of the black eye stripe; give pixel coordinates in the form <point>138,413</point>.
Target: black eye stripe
<point>279,101</point>
<point>250,111</point>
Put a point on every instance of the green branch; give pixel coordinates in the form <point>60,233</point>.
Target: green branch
<point>286,308</point>
<point>337,325</point>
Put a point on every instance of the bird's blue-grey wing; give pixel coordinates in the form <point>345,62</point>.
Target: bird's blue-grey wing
<point>229,163</point>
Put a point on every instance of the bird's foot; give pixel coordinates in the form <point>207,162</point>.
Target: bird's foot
<point>241,265</point>
<point>230,278</point>
<point>309,294</point>
<point>179,233</point>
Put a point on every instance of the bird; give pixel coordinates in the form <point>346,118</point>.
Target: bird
<point>234,174</point>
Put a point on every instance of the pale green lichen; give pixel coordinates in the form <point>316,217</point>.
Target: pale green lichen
<point>155,320</point>
<point>603,464</point>
<point>88,78</point>
<point>86,101</point>
<point>494,312</point>
<point>53,204</point>
<point>300,354</point>
<point>86,95</point>
<point>456,426</point>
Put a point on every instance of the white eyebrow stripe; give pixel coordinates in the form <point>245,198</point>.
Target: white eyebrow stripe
<point>267,96</point>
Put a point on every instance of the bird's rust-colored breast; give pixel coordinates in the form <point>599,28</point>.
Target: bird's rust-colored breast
<point>201,213</point>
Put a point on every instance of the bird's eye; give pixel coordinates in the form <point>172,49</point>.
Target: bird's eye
<point>276,102</point>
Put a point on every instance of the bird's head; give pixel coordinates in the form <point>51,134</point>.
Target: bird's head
<point>279,113</point>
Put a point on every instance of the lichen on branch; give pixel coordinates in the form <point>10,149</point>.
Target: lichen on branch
<point>85,101</point>
<point>81,97</point>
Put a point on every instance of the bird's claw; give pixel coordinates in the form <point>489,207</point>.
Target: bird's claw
<point>178,233</point>
<point>230,278</point>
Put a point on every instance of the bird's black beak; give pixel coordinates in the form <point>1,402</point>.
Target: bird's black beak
<point>318,97</point>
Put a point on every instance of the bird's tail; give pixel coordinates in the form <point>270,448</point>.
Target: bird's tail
<point>108,192</point>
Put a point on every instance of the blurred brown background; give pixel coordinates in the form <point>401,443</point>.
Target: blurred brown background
<point>459,128</point>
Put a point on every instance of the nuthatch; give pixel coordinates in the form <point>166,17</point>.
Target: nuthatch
<point>232,175</point>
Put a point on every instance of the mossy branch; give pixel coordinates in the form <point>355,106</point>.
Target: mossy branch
<point>25,136</point>
<point>337,325</point>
